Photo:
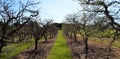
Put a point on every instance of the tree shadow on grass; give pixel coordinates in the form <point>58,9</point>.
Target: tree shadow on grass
<point>34,54</point>
<point>101,53</point>
<point>40,53</point>
<point>95,51</point>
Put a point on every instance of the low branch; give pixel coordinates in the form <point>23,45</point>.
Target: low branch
<point>113,2</point>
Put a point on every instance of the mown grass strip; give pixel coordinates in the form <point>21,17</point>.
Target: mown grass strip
<point>10,51</point>
<point>60,48</point>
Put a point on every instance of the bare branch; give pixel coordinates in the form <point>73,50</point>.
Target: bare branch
<point>113,2</point>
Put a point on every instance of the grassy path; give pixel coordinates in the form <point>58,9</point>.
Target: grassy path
<point>60,48</point>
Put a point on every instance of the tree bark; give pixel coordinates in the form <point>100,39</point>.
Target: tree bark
<point>86,47</point>
<point>70,35</point>
<point>75,37</point>
<point>2,42</point>
<point>36,43</point>
<point>50,36</point>
<point>45,37</point>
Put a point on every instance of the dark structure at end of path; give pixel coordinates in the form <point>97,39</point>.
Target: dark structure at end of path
<point>58,25</point>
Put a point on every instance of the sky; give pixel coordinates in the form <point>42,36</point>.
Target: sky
<point>58,9</point>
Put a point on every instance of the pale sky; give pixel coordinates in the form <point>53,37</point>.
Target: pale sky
<point>58,9</point>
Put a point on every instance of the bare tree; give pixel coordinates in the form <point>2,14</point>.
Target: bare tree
<point>52,31</point>
<point>67,28</point>
<point>102,6</point>
<point>46,29</point>
<point>40,30</point>
<point>10,16</point>
<point>37,32</point>
<point>110,9</point>
<point>86,30</point>
<point>73,20</point>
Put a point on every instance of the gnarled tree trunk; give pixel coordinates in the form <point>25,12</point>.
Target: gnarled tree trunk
<point>86,47</point>
<point>36,43</point>
<point>2,42</point>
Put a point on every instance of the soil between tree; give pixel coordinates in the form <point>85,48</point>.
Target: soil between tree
<point>40,53</point>
<point>97,50</point>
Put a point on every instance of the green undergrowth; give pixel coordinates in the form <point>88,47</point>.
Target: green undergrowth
<point>60,48</point>
<point>107,41</point>
<point>12,50</point>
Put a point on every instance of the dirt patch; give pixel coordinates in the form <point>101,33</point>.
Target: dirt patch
<point>40,53</point>
<point>97,50</point>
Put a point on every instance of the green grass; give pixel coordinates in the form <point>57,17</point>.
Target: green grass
<point>60,48</point>
<point>12,50</point>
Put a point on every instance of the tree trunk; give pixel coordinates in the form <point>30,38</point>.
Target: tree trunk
<point>51,35</point>
<point>86,47</point>
<point>45,37</point>
<point>36,43</point>
<point>2,42</point>
<point>75,37</point>
<point>70,35</point>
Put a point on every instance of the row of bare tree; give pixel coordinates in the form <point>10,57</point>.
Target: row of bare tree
<point>18,22</point>
<point>97,17</point>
